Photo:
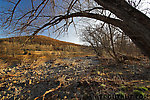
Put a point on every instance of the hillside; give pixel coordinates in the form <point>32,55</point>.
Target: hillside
<point>38,39</point>
<point>17,49</point>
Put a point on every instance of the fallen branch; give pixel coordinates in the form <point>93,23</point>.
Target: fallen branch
<point>61,79</point>
<point>51,90</point>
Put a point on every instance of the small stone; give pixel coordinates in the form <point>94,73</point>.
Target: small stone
<point>30,81</point>
<point>3,98</point>
<point>9,89</point>
<point>65,97</point>
<point>29,91</point>
<point>14,81</point>
<point>32,77</point>
<point>23,80</point>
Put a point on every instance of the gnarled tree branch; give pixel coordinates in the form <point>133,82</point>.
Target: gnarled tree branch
<point>58,19</point>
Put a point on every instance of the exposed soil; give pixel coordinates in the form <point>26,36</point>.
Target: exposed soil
<point>81,78</point>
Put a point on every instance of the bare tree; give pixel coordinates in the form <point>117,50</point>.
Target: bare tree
<point>109,41</point>
<point>59,14</point>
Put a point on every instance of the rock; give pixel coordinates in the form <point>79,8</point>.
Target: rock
<point>14,81</point>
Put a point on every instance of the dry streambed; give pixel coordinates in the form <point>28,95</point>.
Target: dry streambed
<point>31,81</point>
<point>78,77</point>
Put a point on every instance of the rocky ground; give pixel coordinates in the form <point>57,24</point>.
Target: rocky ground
<point>69,78</point>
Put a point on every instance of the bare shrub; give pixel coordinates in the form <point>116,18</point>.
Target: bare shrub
<point>109,41</point>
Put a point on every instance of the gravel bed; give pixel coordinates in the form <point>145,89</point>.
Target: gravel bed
<point>23,82</point>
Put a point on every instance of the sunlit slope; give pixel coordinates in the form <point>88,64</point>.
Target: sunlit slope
<point>16,49</point>
<point>38,39</point>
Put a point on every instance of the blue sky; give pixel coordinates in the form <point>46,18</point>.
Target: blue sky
<point>71,37</point>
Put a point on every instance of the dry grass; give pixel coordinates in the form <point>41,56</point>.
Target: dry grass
<point>13,52</point>
<point>2,64</point>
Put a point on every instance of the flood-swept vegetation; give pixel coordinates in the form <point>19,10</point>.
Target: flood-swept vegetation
<point>45,68</point>
<point>18,49</point>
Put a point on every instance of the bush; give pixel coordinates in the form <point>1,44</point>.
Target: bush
<point>142,89</point>
<point>138,94</point>
<point>120,95</point>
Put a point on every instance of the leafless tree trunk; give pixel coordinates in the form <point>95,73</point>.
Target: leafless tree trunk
<point>134,23</point>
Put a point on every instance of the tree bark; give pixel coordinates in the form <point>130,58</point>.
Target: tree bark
<point>135,24</point>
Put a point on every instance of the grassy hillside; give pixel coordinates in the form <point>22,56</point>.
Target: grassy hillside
<point>38,39</point>
<point>17,49</point>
